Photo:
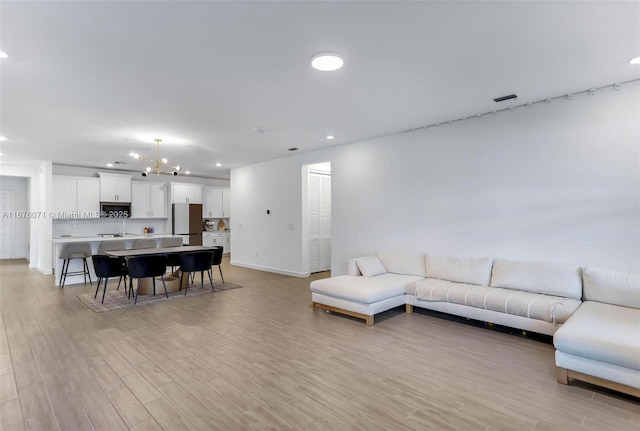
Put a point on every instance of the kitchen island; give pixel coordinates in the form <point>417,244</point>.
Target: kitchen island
<point>95,240</point>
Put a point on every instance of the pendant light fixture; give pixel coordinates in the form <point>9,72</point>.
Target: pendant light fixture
<point>159,164</point>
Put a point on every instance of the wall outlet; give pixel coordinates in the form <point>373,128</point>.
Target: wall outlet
<point>257,254</point>
<point>290,226</point>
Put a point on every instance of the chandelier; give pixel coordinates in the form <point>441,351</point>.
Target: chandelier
<point>158,164</point>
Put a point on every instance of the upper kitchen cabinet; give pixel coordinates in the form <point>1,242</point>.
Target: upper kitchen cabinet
<point>148,200</point>
<point>216,203</point>
<point>115,187</point>
<point>75,197</point>
<point>186,193</point>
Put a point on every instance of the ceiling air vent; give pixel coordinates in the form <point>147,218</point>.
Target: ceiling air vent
<point>507,97</point>
<point>293,149</point>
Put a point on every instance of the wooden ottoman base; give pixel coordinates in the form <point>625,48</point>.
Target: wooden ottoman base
<point>367,319</point>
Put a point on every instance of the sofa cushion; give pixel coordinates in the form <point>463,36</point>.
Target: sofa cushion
<point>363,289</point>
<point>602,332</point>
<point>459,269</point>
<point>611,287</point>
<point>370,266</point>
<point>549,278</point>
<point>552,309</point>
<point>538,306</point>
<point>404,263</point>
<point>434,290</point>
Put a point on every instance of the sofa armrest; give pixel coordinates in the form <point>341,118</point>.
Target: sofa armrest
<point>352,268</point>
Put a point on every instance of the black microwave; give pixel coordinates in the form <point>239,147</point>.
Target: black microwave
<point>115,209</point>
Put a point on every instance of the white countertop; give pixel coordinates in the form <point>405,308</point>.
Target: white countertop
<point>98,238</point>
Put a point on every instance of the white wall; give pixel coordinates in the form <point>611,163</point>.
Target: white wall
<point>19,187</point>
<point>556,182</point>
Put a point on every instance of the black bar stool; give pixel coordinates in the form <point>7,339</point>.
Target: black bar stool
<point>68,252</point>
<point>153,266</point>
<point>143,243</point>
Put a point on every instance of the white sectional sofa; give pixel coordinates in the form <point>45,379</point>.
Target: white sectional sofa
<point>600,343</point>
<point>598,338</point>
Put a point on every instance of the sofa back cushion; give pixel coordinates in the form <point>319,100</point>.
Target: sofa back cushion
<point>406,263</point>
<point>611,287</point>
<point>370,266</point>
<point>460,269</point>
<point>549,278</point>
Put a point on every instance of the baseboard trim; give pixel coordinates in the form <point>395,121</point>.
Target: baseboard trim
<point>269,269</point>
<point>45,271</point>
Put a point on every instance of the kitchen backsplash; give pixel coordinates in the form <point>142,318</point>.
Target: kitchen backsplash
<point>95,226</point>
<point>215,225</point>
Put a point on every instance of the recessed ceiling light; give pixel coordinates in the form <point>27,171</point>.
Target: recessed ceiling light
<point>188,172</point>
<point>109,165</point>
<point>218,164</point>
<point>1,154</point>
<point>330,137</point>
<point>3,54</point>
<point>327,62</point>
<point>2,139</point>
<point>635,60</point>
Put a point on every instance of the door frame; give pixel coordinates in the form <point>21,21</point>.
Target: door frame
<point>306,169</point>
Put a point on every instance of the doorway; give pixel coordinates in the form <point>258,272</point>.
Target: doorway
<point>319,216</point>
<point>6,224</point>
<point>15,223</point>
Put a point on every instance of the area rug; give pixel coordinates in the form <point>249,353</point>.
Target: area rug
<point>117,299</point>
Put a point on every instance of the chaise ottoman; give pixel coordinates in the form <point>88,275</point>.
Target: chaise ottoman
<point>360,297</point>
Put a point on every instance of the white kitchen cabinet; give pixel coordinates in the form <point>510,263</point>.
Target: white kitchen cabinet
<point>75,197</point>
<point>226,203</point>
<point>211,239</point>
<point>148,200</point>
<point>186,193</point>
<point>216,203</point>
<point>87,203</point>
<point>64,195</point>
<point>115,187</point>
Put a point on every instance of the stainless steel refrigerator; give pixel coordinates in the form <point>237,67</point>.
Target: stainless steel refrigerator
<point>187,221</point>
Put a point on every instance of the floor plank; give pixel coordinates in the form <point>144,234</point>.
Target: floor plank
<point>260,358</point>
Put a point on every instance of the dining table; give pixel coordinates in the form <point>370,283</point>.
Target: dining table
<point>158,250</point>
<point>172,280</point>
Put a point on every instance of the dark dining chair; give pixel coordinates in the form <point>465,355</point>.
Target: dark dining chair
<point>198,261</point>
<point>115,245</point>
<point>217,259</point>
<point>105,267</point>
<point>147,266</point>
<point>173,259</point>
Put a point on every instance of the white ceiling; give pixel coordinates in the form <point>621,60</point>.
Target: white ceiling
<point>86,80</point>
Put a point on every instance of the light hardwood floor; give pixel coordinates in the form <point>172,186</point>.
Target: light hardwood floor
<point>260,358</point>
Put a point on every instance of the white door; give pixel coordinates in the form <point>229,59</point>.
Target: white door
<point>6,237</point>
<point>325,223</point>
<point>319,219</point>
